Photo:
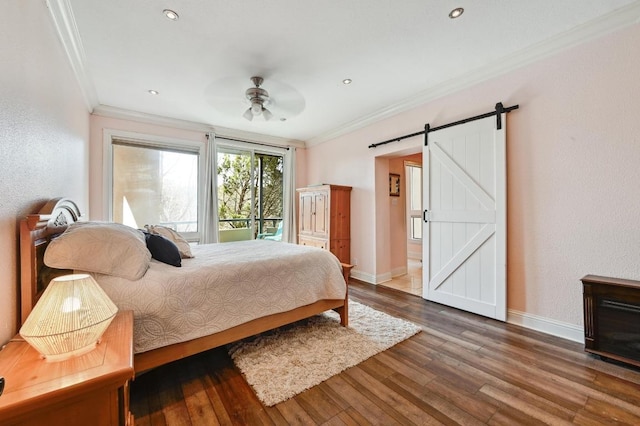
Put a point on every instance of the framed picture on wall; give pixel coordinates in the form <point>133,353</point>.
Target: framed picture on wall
<point>394,185</point>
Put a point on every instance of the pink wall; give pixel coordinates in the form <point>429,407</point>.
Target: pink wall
<point>301,168</point>
<point>573,172</point>
<point>380,218</point>
<point>44,134</point>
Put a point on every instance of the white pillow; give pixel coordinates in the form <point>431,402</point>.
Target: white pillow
<point>183,245</point>
<point>100,247</point>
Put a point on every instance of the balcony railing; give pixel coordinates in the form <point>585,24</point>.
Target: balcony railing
<point>231,229</point>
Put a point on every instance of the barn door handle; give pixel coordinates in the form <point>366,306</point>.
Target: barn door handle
<point>425,216</point>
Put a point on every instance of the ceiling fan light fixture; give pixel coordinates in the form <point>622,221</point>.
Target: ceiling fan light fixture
<point>256,108</point>
<point>257,97</point>
<point>455,13</point>
<point>170,14</point>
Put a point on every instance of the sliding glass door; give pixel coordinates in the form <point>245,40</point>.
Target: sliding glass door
<point>250,193</point>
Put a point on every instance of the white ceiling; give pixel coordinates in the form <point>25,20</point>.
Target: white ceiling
<point>399,54</point>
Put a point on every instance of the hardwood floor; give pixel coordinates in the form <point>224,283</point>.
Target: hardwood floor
<point>461,369</point>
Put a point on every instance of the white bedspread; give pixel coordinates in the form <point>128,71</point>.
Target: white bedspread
<point>222,286</point>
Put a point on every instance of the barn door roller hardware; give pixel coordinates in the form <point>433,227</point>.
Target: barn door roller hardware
<point>499,109</point>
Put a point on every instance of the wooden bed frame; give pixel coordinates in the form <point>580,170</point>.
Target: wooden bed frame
<point>37,230</point>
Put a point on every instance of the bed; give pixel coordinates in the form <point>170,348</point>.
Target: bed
<point>239,289</point>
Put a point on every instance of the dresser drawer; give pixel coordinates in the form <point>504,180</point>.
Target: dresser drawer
<point>313,242</point>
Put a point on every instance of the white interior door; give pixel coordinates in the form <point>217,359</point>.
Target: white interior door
<point>464,240</point>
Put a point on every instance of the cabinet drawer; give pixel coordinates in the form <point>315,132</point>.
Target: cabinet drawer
<point>303,241</point>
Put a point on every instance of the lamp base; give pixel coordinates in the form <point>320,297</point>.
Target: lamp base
<point>74,353</point>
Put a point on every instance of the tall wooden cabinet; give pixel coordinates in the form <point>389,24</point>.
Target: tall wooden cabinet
<point>324,219</point>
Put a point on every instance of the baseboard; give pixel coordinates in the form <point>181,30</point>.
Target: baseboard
<point>534,322</point>
<point>383,278</point>
<point>546,325</point>
<point>369,278</point>
<point>362,276</point>
<point>415,255</point>
<point>396,272</point>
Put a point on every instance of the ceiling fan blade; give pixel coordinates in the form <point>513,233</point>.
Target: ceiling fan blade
<point>248,114</point>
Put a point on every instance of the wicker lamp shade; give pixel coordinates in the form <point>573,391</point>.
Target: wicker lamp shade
<point>70,317</point>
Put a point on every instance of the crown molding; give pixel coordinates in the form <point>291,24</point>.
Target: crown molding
<point>64,21</point>
<point>599,27</point>
<point>223,132</point>
<point>67,30</point>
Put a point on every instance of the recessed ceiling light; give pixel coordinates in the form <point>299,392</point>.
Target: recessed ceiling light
<point>347,81</point>
<point>170,14</point>
<point>455,13</point>
<point>153,92</point>
<point>283,119</point>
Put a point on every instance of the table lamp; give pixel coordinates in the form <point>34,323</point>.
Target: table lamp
<point>70,317</point>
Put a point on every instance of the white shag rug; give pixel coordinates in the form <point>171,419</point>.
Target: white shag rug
<point>281,363</point>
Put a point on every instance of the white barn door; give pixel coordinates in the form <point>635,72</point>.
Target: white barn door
<point>464,238</point>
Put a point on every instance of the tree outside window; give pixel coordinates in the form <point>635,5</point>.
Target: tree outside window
<point>237,186</point>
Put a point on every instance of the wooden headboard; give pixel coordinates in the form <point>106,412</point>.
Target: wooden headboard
<point>36,231</point>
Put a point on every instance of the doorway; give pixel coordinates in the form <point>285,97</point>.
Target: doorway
<point>405,215</point>
<point>464,215</point>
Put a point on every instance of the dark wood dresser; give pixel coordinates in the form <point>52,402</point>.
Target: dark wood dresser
<point>612,318</point>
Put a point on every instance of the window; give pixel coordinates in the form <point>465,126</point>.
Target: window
<point>154,181</point>
<point>414,200</point>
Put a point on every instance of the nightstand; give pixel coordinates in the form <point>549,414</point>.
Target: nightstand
<point>91,389</point>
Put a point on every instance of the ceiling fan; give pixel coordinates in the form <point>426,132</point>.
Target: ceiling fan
<point>229,96</point>
<point>258,98</point>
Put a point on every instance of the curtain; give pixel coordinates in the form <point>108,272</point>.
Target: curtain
<point>210,199</point>
<point>289,229</point>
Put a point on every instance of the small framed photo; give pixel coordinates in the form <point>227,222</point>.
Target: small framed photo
<point>394,185</point>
